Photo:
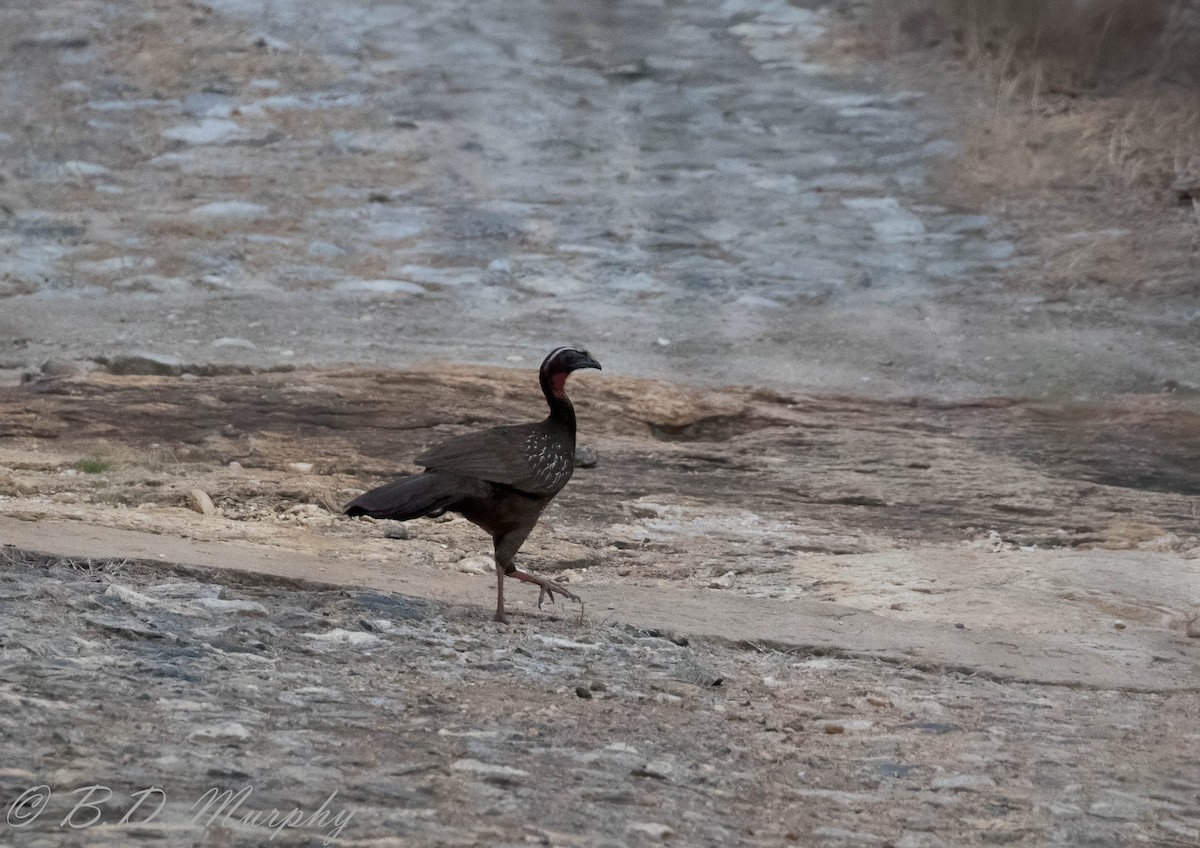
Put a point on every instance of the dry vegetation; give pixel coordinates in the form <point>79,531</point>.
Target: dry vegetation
<point>1091,119</point>
<point>1137,56</point>
<point>1063,45</point>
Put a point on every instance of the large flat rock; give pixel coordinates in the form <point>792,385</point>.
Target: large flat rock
<point>1142,659</point>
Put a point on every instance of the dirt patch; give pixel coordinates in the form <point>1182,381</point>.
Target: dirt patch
<point>799,475</point>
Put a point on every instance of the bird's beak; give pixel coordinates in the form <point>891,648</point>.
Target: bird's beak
<point>588,362</point>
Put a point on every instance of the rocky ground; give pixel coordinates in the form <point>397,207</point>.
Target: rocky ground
<point>435,727</point>
<point>712,196</point>
<point>852,603</point>
<point>902,643</point>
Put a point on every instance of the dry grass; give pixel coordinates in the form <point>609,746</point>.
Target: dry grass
<point>1136,141</point>
<point>1122,77</point>
<point>1092,114</point>
<point>1057,45</point>
<point>1139,58</point>
<point>1090,180</point>
<point>1157,138</point>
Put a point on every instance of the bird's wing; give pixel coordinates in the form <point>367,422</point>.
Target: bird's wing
<point>505,455</point>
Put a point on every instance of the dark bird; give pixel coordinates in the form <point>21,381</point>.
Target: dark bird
<point>500,479</point>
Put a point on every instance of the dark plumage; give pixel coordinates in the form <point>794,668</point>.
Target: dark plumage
<point>500,479</point>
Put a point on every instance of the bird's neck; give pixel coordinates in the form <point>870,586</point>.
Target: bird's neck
<point>562,411</point>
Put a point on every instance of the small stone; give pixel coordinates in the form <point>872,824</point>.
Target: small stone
<point>960,626</point>
<point>844,835</point>
<point>566,644</point>
<point>17,775</point>
<point>82,170</point>
<point>657,769</point>
<point>229,732</point>
<point>234,465</point>
<point>621,747</point>
<point>503,774</point>
<point>1186,187</point>
<point>123,626</point>
<point>583,692</point>
<point>137,600</point>
<point>585,457</point>
<point>235,210</point>
<point>306,514</point>
<point>475,565</point>
<point>145,364</point>
<point>199,501</point>
<point>963,781</point>
<point>230,341</point>
<point>624,571</point>
<point>300,467</point>
<point>231,607</point>
<point>597,686</point>
<point>654,830</point>
<point>919,840</point>
<point>1117,806</point>
<point>263,41</point>
<point>344,637</point>
<point>10,378</point>
<point>397,531</point>
<point>849,725</point>
<point>725,581</point>
<point>1118,625</point>
<point>679,688</point>
<point>60,367</point>
<point>1193,628</point>
<point>207,131</point>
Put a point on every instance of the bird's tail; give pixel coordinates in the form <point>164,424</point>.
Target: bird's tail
<point>413,497</point>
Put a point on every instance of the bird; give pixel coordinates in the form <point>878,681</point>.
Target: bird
<point>499,479</point>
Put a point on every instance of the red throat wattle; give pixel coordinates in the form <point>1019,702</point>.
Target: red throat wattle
<point>557,382</point>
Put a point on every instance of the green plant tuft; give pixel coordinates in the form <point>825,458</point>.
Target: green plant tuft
<point>93,466</point>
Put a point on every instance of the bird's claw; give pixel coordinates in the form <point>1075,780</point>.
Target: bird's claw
<point>549,589</point>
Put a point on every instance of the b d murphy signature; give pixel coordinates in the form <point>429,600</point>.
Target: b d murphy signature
<point>90,805</point>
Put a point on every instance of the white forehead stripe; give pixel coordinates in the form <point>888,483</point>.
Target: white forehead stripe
<point>558,351</point>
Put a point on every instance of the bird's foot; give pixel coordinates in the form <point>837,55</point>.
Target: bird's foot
<point>548,588</point>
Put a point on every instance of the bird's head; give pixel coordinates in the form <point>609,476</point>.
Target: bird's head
<point>561,362</point>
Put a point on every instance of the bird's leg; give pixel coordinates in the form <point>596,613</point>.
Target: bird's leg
<point>547,587</point>
<point>506,549</point>
<point>500,616</point>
